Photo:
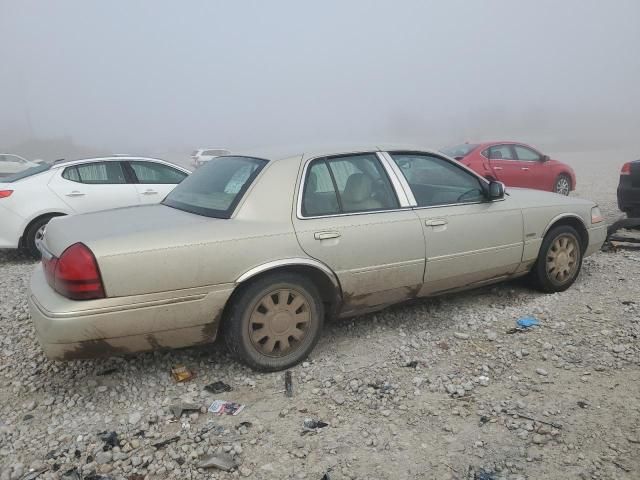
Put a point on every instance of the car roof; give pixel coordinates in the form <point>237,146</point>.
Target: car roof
<point>113,158</point>
<point>276,153</point>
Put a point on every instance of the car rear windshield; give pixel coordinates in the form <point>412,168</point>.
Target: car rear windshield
<point>459,150</point>
<point>25,173</point>
<point>215,189</point>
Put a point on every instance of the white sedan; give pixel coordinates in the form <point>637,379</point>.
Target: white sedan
<point>29,199</point>
<point>10,164</point>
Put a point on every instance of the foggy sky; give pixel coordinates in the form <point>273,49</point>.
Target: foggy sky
<point>154,75</point>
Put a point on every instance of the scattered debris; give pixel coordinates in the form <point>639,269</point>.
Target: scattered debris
<point>288,383</point>
<point>522,415</point>
<point>628,302</point>
<point>326,476</point>
<point>107,371</point>
<point>166,442</point>
<point>582,404</point>
<point>35,474</point>
<point>312,426</point>
<point>217,387</point>
<point>179,408</point>
<point>412,364</point>
<point>110,440</point>
<point>527,322</point>
<point>222,462</point>
<point>180,373</point>
<point>224,407</point>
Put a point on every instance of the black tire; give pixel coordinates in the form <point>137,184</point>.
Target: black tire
<point>238,323</point>
<point>542,274</point>
<point>31,233</point>
<point>562,185</point>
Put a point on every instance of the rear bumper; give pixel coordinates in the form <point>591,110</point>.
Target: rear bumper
<point>11,227</point>
<point>68,329</point>
<point>628,195</point>
<point>597,236</point>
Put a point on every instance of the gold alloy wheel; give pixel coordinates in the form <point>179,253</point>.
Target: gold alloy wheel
<point>279,322</point>
<point>562,259</point>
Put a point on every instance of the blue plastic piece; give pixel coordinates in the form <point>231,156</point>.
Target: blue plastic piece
<point>528,321</point>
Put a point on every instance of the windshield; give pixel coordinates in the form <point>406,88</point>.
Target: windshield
<point>459,150</point>
<point>215,189</point>
<point>25,173</point>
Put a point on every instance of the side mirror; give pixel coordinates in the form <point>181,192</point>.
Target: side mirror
<point>495,191</point>
<point>545,158</point>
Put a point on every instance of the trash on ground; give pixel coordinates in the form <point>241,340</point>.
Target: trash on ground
<point>179,408</point>
<point>224,407</point>
<point>481,474</point>
<point>110,440</point>
<point>582,404</point>
<point>166,442</point>
<point>35,474</point>
<point>288,383</point>
<point>217,387</point>
<point>180,373</point>
<point>412,364</point>
<point>312,426</point>
<point>223,462</point>
<point>107,371</point>
<point>527,322</point>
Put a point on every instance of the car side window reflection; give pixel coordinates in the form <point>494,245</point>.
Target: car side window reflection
<point>99,173</point>
<point>347,184</point>
<point>435,181</point>
<point>501,152</point>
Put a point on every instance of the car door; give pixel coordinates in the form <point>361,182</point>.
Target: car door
<point>506,167</point>
<point>532,168</point>
<point>93,186</point>
<point>352,218</point>
<point>469,239</point>
<point>153,180</point>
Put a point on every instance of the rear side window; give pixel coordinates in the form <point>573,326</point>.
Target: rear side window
<point>501,152</point>
<point>156,173</point>
<point>347,184</point>
<point>99,173</point>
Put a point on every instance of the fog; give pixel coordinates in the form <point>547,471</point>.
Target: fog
<point>166,76</point>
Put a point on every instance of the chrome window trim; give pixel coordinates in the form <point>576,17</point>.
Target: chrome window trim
<point>400,193</point>
<point>402,180</point>
<point>389,163</point>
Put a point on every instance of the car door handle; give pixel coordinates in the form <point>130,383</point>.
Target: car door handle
<point>525,169</point>
<point>435,222</point>
<point>497,168</point>
<point>326,235</point>
<point>75,193</point>
<point>150,192</point>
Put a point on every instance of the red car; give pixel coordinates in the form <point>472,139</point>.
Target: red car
<point>515,165</point>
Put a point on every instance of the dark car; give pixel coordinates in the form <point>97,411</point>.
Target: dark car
<point>629,189</point>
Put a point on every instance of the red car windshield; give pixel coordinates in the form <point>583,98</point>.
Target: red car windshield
<point>460,150</point>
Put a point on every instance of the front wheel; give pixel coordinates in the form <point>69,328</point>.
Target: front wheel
<point>562,185</point>
<point>274,322</point>
<point>559,260</point>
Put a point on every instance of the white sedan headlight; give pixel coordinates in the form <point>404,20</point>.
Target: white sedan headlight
<point>596,216</point>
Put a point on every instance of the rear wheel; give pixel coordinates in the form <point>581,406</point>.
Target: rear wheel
<point>559,260</point>
<point>34,233</point>
<point>274,322</point>
<point>562,185</point>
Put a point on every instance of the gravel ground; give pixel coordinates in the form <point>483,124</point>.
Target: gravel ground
<point>434,389</point>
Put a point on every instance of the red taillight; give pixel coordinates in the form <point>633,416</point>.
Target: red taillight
<point>626,169</point>
<point>5,193</point>
<point>75,274</point>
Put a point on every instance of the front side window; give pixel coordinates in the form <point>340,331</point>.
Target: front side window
<point>156,173</point>
<point>435,181</point>
<point>347,184</point>
<point>215,189</point>
<point>99,173</point>
<point>501,152</point>
<point>526,154</point>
